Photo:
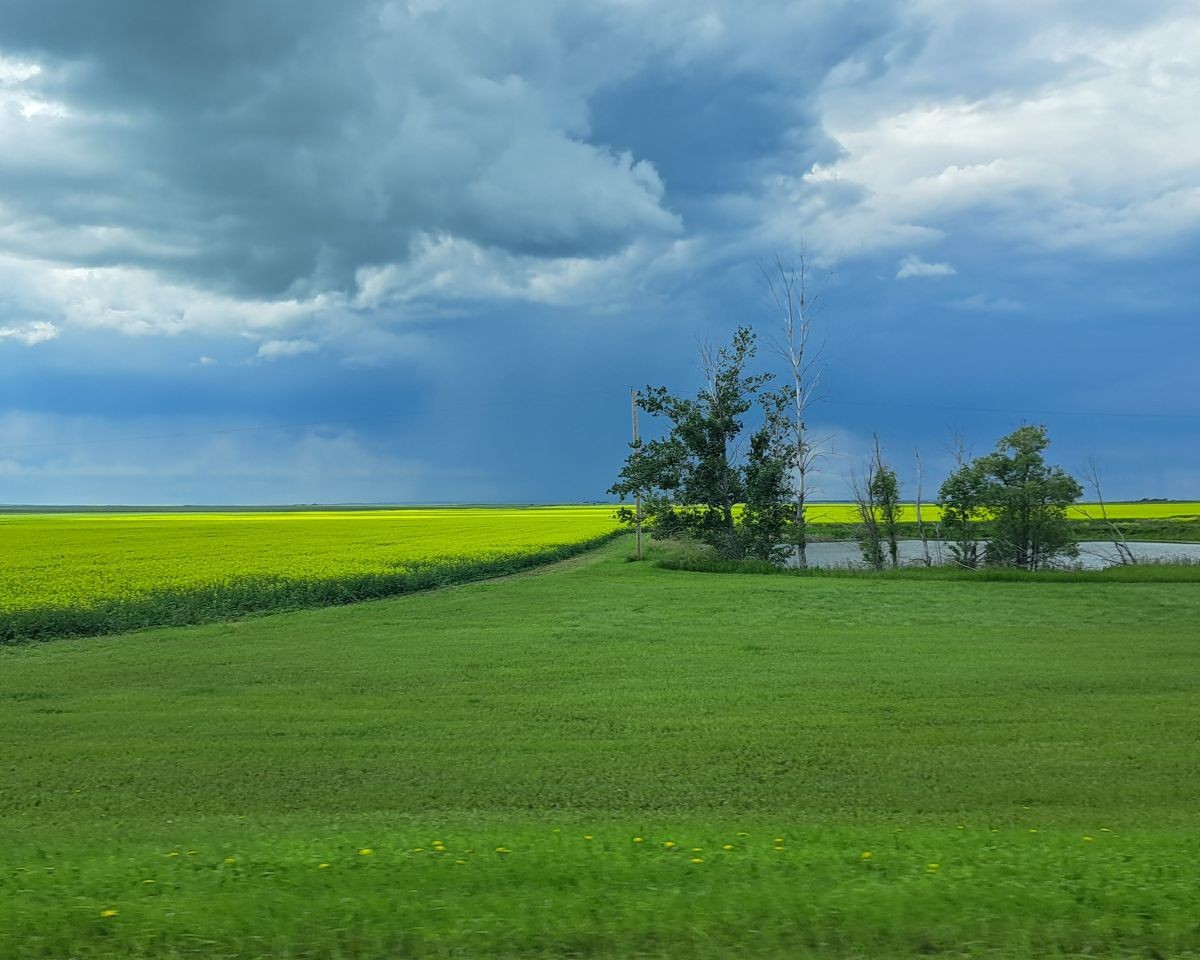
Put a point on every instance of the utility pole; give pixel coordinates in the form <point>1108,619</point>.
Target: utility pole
<point>633,398</point>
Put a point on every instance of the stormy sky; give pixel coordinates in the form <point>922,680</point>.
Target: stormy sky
<point>284,252</point>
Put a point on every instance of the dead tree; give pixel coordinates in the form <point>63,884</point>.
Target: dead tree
<point>788,287</point>
<point>1125,555</point>
<point>870,536</point>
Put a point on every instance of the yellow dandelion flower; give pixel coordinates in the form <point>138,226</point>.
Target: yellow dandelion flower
<point>438,843</point>
<point>865,855</point>
<point>587,836</point>
<point>1089,839</point>
<point>231,859</point>
<point>779,839</point>
<point>173,853</point>
<point>639,839</point>
<point>728,846</point>
<point>695,860</point>
<point>933,867</point>
<point>1105,830</point>
<point>668,844</point>
<point>696,850</point>
<point>110,912</point>
<point>322,866</point>
<point>365,852</point>
<point>460,861</point>
<point>743,833</point>
<point>192,853</point>
<point>503,850</point>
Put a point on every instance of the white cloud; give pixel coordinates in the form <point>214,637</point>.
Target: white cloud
<point>14,71</point>
<point>447,269</point>
<point>138,302</point>
<point>277,349</point>
<point>914,266</point>
<point>1072,136</point>
<point>39,331</point>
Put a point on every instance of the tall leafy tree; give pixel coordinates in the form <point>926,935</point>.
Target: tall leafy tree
<point>886,494</point>
<point>768,508</point>
<point>1020,501</point>
<point>1028,500</point>
<point>694,478</point>
<point>962,498</point>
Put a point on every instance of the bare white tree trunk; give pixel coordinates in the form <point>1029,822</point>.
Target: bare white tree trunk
<point>788,289</point>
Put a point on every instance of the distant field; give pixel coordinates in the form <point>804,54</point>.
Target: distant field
<point>611,760</point>
<point>91,569</point>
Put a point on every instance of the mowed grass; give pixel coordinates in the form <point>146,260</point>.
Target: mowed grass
<point>608,759</point>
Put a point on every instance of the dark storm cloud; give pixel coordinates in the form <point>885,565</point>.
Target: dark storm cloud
<point>439,240</point>
<point>253,147</point>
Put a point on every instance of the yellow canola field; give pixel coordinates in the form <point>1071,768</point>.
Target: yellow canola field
<point>65,560</point>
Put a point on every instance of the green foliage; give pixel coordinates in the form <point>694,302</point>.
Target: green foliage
<point>617,700</point>
<point>885,491</point>
<point>879,510</point>
<point>963,500</point>
<point>692,480</point>
<point>1024,500</point>
<point>1028,502</point>
<point>768,509</point>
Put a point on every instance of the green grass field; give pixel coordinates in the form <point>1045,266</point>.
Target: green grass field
<point>605,759</point>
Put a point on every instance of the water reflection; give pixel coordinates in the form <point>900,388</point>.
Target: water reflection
<point>1093,554</point>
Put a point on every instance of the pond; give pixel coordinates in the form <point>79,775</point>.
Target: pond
<point>1093,554</point>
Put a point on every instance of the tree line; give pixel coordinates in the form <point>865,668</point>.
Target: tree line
<point>743,490</point>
